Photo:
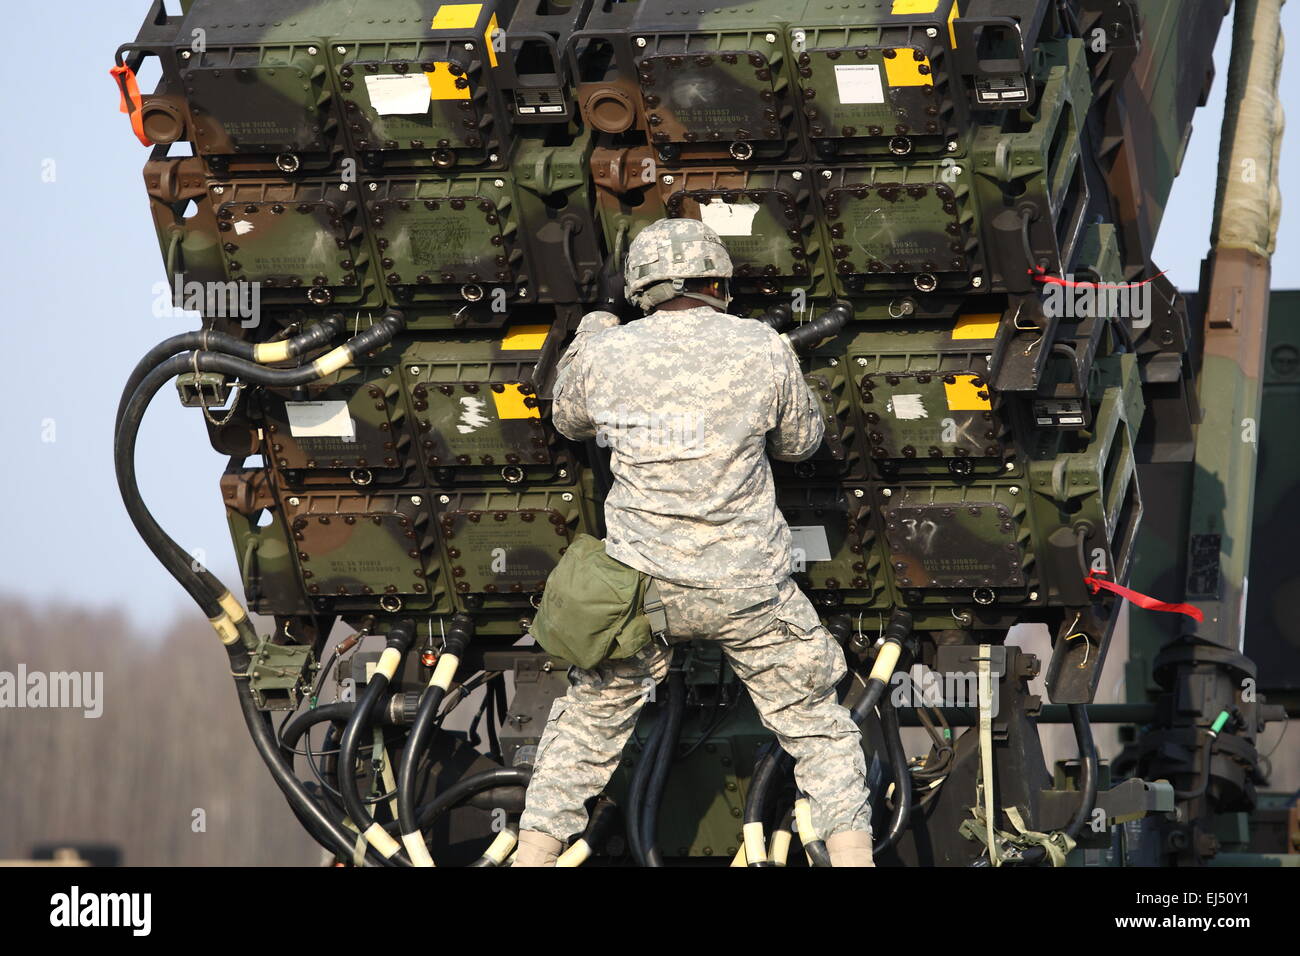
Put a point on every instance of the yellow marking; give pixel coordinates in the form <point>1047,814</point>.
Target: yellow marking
<point>739,858</point>
<point>780,847</point>
<point>444,671</point>
<point>490,40</point>
<point>388,662</point>
<point>575,855</point>
<point>983,325</point>
<point>886,661</point>
<point>755,845</point>
<point>416,850</point>
<point>963,396</point>
<point>457,16</point>
<point>502,846</point>
<point>803,821</point>
<point>377,837</point>
<point>442,84</point>
<point>525,338</point>
<point>952,31</point>
<point>269,352</point>
<point>225,628</point>
<point>903,69</point>
<point>331,362</point>
<point>230,604</point>
<point>510,404</point>
<point>905,7</point>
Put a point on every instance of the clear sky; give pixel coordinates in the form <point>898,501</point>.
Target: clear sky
<point>80,263</point>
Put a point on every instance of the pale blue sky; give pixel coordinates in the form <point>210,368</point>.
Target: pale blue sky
<point>80,263</point>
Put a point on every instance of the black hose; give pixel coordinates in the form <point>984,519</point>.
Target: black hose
<point>889,724</point>
<point>400,637</point>
<point>772,769</point>
<point>458,638</point>
<point>237,634</point>
<point>637,790</point>
<point>463,790</point>
<point>664,757</point>
<point>1087,784</point>
<point>206,340</point>
<point>829,323</point>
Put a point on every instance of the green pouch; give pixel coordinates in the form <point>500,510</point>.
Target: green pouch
<point>592,608</point>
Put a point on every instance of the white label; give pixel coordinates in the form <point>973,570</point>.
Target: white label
<point>320,420</point>
<point>907,408</point>
<point>811,540</point>
<point>859,83</point>
<point>406,94</point>
<point>729,219</point>
<point>243,227</point>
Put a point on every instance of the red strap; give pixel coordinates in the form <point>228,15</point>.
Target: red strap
<point>1040,275</point>
<point>131,102</point>
<point>1142,600</point>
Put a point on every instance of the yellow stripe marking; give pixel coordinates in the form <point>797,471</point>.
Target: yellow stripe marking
<point>388,662</point>
<point>331,362</point>
<point>269,352</point>
<point>981,325</point>
<point>444,671</point>
<point>510,404</point>
<point>378,837</point>
<point>456,16</point>
<point>964,396</point>
<point>416,850</point>
<point>755,845</point>
<point>525,338</point>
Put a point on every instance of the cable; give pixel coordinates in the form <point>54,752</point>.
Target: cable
<point>458,638</point>
<point>663,763</point>
<point>399,639</point>
<point>889,725</point>
<point>637,791</point>
<point>208,340</point>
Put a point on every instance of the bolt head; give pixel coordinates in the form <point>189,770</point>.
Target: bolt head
<point>312,51</point>
<point>340,49</point>
<point>414,370</point>
<point>373,187</point>
<point>977,282</point>
<point>294,502</point>
<point>796,175</point>
<point>499,183</point>
<point>444,500</point>
<point>185,54</point>
<point>640,41</point>
<point>887,492</point>
<point>669,180</point>
<point>858,492</point>
<point>931,32</point>
<point>770,38</point>
<point>416,500</point>
<point>567,496</point>
<point>1014,489</point>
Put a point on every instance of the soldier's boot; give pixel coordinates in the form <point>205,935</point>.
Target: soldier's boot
<point>537,849</point>
<point>850,848</point>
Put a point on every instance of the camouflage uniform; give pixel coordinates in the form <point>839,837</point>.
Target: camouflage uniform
<point>690,403</point>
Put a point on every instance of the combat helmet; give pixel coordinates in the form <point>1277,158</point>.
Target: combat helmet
<point>667,253</point>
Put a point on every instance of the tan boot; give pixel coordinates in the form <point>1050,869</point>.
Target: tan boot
<point>537,849</point>
<point>850,848</point>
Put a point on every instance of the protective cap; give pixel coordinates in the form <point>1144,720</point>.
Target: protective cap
<point>667,253</point>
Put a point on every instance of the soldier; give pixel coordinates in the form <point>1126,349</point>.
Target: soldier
<point>689,399</point>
